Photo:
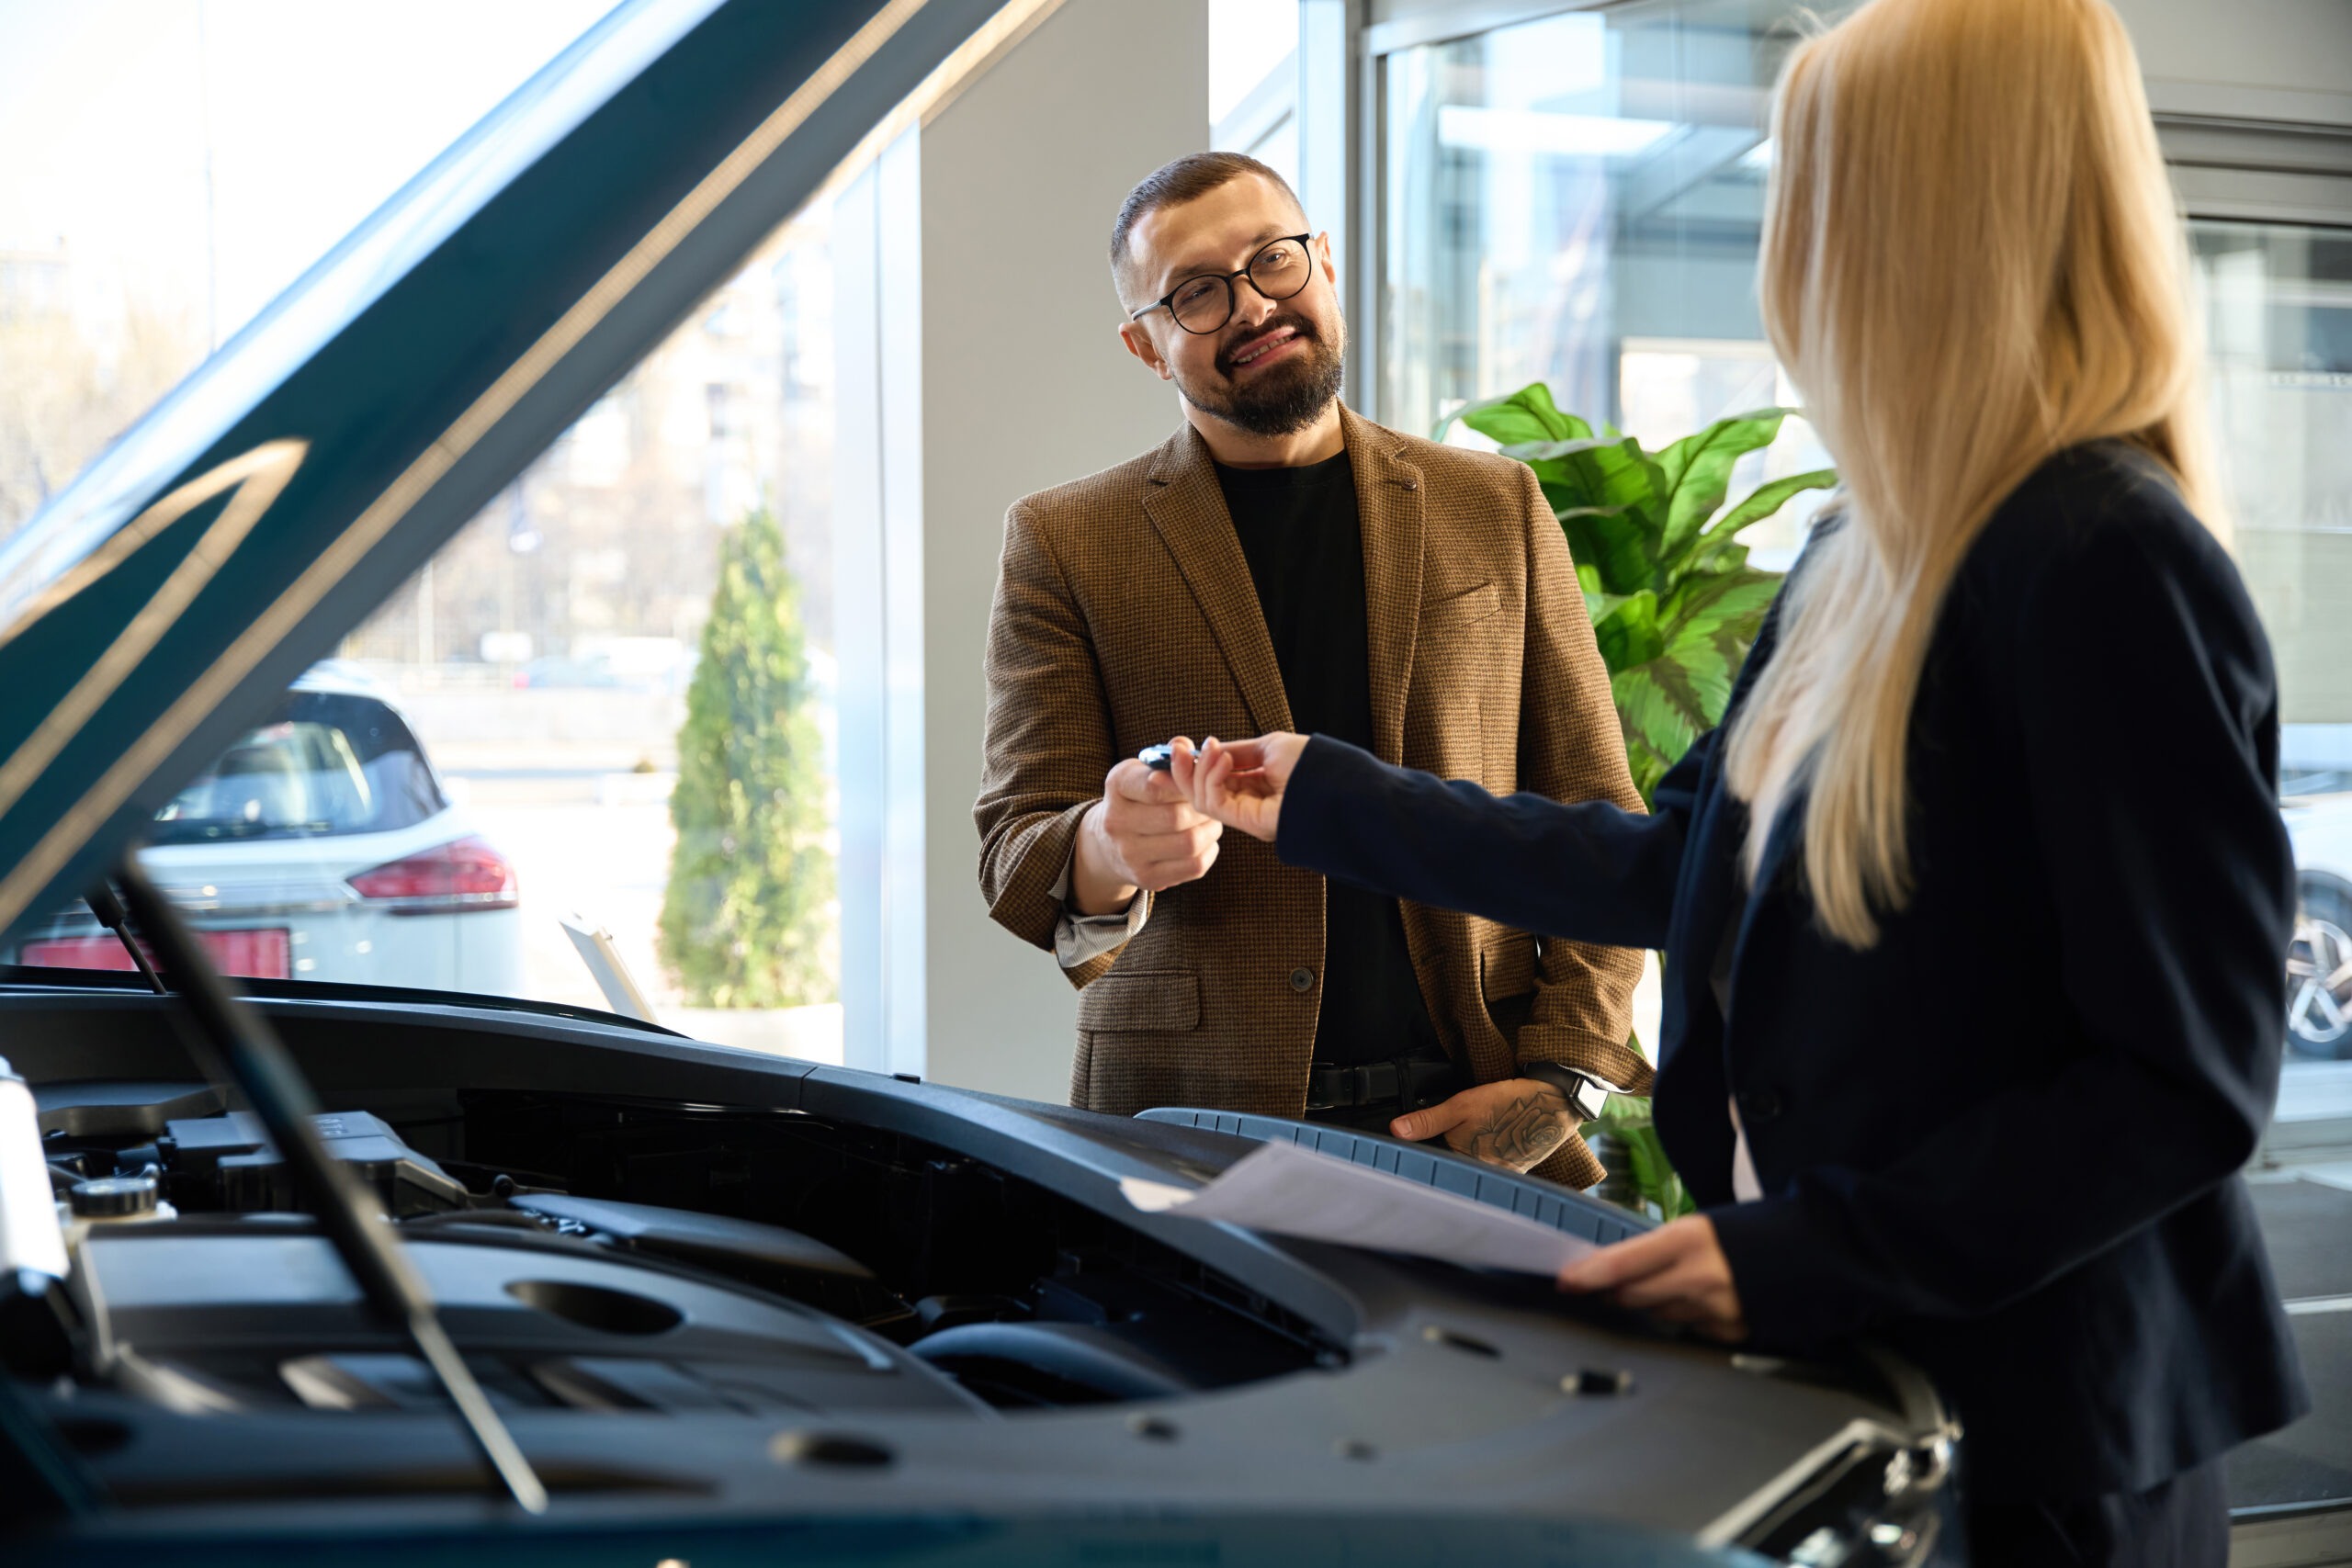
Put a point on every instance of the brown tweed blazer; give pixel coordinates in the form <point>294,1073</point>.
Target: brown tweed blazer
<point>1124,614</point>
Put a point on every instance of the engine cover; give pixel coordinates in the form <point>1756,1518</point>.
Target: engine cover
<point>252,1313</point>
<point>228,1162</point>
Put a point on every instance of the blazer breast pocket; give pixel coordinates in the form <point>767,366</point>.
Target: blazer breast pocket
<point>1460,610</point>
<point>1153,1001</point>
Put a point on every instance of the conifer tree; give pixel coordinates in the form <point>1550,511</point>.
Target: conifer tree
<point>746,912</point>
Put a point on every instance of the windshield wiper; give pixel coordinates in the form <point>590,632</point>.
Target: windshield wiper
<point>234,1043</point>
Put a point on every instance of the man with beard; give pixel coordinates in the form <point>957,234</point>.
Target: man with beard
<point>1281,563</point>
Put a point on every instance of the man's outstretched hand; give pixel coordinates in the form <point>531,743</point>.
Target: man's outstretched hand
<point>1142,835</point>
<point>1514,1122</point>
<point>1240,783</point>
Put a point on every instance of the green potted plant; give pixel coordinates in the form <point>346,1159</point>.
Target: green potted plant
<point>1675,607</point>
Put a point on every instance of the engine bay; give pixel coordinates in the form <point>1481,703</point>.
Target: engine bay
<point>606,1255</point>
<point>697,1285</point>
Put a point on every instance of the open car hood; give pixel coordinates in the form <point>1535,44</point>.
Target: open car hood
<point>158,606</point>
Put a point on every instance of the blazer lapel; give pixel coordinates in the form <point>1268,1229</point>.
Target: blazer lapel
<point>1182,498</point>
<point>1389,515</point>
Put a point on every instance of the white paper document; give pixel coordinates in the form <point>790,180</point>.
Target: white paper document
<point>1294,1192</point>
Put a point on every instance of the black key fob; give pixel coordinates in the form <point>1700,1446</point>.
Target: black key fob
<point>1157,758</point>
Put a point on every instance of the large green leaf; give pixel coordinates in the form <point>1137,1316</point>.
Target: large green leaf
<point>1675,457</point>
<point>1710,623</point>
<point>1527,414</point>
<point>1533,452</point>
<point>1767,499</point>
<point>1698,472</point>
<point>1699,672</point>
<point>1626,1118</point>
<point>1611,544</point>
<point>1605,474</point>
<point>1711,559</point>
<point>1614,473</point>
<point>1613,512</point>
<point>1627,631</point>
<point>1655,707</point>
<point>1699,605</point>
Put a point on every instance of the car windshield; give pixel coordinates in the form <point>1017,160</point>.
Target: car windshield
<point>325,764</point>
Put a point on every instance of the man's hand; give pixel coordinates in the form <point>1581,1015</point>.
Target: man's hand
<point>1512,1121</point>
<point>1677,1273</point>
<point>1240,785</point>
<point>1142,836</point>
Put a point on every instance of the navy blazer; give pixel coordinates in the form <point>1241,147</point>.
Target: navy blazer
<point>2007,1138</point>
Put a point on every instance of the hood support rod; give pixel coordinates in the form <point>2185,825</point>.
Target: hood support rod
<point>234,1043</point>
<point>111,915</point>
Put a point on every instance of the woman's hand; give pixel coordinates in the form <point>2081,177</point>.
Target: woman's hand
<point>1239,785</point>
<point>1677,1273</point>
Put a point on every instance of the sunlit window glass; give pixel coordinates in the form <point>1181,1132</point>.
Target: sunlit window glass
<point>1576,200</point>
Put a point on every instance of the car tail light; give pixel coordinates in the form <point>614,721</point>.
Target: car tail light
<point>464,873</point>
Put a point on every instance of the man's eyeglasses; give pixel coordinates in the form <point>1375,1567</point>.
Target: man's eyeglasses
<point>1203,304</point>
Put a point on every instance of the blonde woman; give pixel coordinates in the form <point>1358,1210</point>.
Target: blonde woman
<point>1975,910</point>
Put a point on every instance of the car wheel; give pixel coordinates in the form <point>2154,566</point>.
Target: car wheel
<point>2319,976</point>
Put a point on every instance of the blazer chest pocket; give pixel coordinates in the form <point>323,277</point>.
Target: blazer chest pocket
<point>1153,1001</point>
<point>1461,610</point>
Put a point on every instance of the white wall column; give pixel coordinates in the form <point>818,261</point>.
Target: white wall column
<point>1024,385</point>
<point>878,588</point>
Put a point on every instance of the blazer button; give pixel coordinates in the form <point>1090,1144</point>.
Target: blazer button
<point>1302,979</point>
<point>1757,1106</point>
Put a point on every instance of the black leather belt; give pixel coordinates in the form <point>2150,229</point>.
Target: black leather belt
<point>1407,1081</point>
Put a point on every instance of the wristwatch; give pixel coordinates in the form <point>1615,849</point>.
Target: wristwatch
<point>1586,1094</point>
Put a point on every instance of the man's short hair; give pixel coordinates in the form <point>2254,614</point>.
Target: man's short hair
<point>1188,178</point>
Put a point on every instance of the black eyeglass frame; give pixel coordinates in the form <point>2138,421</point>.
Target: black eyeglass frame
<point>1166,303</point>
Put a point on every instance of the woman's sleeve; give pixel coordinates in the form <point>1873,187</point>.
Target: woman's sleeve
<point>1586,872</point>
<point>2149,716</point>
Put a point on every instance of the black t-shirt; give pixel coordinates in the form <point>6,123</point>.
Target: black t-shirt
<point>1299,533</point>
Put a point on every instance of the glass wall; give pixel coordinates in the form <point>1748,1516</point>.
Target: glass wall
<point>547,659</point>
<point>2278,332</point>
<point>168,167</point>
<point>1576,200</point>
<point>605,710</point>
<point>2277,303</point>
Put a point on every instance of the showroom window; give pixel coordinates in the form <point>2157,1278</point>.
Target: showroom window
<point>151,148</point>
<point>1576,199</point>
<point>603,716</point>
<point>2278,338</point>
<point>624,672</point>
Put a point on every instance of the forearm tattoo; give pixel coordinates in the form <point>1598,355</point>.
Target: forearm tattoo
<point>1519,1133</point>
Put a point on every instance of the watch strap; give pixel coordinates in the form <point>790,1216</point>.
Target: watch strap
<point>1586,1095</point>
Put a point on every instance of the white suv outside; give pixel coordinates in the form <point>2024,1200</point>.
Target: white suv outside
<point>2319,964</point>
<point>321,847</point>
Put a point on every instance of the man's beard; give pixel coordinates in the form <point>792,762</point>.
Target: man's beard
<point>1286,399</point>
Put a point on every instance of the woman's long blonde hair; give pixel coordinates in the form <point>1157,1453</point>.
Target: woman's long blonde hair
<point>1970,261</point>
